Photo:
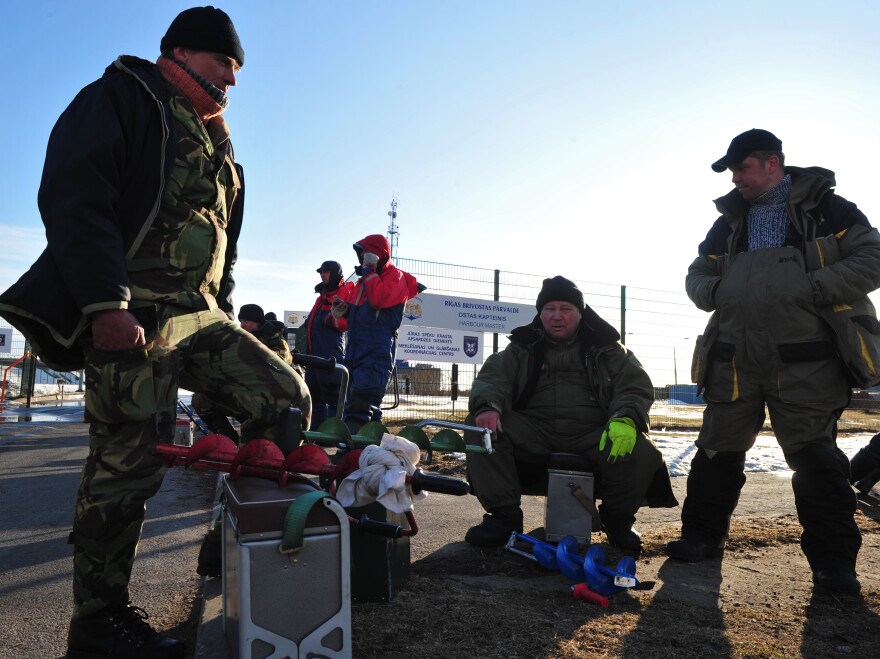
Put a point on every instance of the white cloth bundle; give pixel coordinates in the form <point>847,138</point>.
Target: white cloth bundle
<point>382,476</point>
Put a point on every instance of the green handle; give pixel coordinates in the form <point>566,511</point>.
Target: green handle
<point>295,520</point>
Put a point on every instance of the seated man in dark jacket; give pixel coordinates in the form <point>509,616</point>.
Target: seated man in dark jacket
<point>566,384</point>
<point>269,330</point>
<point>212,406</point>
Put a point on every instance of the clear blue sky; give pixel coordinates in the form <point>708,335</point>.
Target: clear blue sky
<point>543,137</point>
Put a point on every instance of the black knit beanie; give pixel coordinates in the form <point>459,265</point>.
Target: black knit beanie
<point>252,312</point>
<point>560,289</point>
<point>204,28</point>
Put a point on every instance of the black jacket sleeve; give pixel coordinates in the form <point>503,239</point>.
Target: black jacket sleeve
<point>95,155</point>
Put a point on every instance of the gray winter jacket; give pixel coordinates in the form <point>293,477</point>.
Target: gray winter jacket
<point>839,253</point>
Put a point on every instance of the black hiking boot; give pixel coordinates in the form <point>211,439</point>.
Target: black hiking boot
<point>211,554</point>
<point>836,582</point>
<point>625,538</point>
<point>221,425</point>
<point>496,527</point>
<point>122,633</point>
<point>692,550</point>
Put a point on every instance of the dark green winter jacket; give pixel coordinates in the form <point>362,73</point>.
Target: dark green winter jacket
<point>619,383</point>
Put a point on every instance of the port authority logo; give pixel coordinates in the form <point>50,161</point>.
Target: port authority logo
<point>471,345</point>
<point>412,310</point>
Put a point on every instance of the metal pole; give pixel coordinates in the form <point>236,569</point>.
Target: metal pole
<point>496,298</point>
<point>454,383</point>
<point>623,315</point>
<point>675,364</point>
<point>28,374</point>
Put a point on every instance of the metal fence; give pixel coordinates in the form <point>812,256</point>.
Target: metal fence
<point>660,327</point>
<point>13,369</point>
<point>26,378</point>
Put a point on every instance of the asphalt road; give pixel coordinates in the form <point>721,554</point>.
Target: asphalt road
<point>40,463</point>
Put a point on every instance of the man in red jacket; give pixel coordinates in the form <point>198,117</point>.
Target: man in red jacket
<point>373,308</point>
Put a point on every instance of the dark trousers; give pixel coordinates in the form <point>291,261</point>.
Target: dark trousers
<point>493,477</point>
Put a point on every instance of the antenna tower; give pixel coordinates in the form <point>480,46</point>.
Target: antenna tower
<point>392,228</point>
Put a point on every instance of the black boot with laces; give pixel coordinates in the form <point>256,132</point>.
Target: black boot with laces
<point>496,527</point>
<point>121,632</point>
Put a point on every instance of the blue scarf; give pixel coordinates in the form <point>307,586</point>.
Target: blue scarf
<point>768,218</point>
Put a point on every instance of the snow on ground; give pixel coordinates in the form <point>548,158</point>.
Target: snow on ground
<point>677,447</point>
<point>678,450</point>
<point>765,456</point>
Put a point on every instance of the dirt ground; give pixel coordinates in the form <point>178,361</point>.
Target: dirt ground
<point>460,601</point>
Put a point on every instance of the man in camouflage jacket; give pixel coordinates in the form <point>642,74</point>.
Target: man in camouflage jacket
<point>142,204</point>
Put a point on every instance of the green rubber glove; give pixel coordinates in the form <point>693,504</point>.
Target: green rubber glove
<point>622,433</point>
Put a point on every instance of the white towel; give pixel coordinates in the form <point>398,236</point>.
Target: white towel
<point>382,476</point>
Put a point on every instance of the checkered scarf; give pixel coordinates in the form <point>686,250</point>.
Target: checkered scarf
<point>768,219</point>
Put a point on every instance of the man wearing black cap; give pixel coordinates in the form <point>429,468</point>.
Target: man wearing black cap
<point>269,332</point>
<point>325,338</point>
<point>565,384</point>
<point>142,203</point>
<point>786,270</point>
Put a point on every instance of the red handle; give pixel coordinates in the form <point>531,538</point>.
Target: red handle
<point>582,591</point>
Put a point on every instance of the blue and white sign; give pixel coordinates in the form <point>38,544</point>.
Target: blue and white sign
<point>466,314</point>
<point>428,344</point>
<point>5,340</point>
<point>294,318</point>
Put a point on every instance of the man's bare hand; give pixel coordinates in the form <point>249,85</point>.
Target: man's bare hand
<point>116,329</point>
<point>489,419</point>
<point>339,307</point>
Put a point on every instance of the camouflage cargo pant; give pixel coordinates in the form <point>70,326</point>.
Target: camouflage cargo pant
<point>131,400</point>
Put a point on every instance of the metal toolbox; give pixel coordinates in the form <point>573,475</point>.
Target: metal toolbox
<point>565,512</point>
<point>275,604</point>
<point>380,565</point>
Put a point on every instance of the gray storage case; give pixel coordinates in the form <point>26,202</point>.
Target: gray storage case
<point>565,514</point>
<point>284,605</point>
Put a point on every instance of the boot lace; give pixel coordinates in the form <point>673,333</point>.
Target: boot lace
<point>131,621</point>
